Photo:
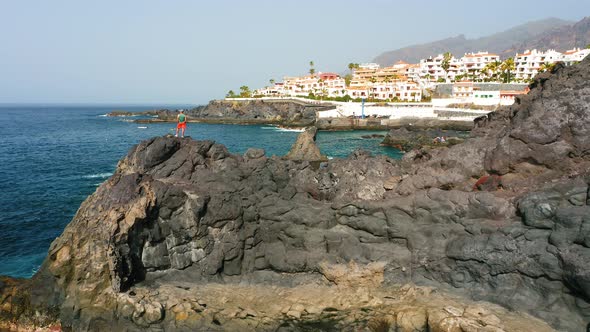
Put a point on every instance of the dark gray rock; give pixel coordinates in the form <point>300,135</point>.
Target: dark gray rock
<point>288,112</point>
<point>550,126</point>
<point>409,138</point>
<point>184,210</point>
<point>305,148</point>
<point>252,153</point>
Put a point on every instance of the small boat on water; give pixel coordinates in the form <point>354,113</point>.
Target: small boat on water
<point>141,127</point>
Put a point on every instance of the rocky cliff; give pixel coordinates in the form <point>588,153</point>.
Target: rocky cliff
<point>175,238</point>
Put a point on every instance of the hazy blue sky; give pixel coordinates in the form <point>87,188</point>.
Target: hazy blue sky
<point>148,51</point>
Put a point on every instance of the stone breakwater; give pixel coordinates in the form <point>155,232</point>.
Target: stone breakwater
<point>501,217</point>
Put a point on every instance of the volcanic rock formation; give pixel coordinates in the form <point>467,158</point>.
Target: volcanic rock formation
<point>305,147</point>
<point>287,112</point>
<point>410,138</point>
<point>180,215</point>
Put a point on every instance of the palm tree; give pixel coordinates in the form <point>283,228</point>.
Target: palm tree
<point>491,68</point>
<point>347,79</point>
<point>546,67</point>
<point>230,94</point>
<point>446,63</point>
<point>495,68</point>
<point>507,67</point>
<point>245,91</point>
<point>351,67</point>
<point>271,81</point>
<point>311,69</point>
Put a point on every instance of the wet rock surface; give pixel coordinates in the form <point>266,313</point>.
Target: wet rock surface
<point>183,216</point>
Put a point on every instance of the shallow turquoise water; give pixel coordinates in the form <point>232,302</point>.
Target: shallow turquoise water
<point>52,158</point>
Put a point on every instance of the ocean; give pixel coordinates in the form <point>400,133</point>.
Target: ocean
<point>52,158</point>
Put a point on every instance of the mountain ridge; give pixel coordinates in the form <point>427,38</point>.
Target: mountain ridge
<point>505,43</point>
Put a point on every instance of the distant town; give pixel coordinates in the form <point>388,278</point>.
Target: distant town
<point>478,78</point>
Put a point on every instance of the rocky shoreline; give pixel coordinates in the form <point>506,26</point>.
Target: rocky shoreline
<point>410,138</point>
<point>287,113</point>
<point>185,235</point>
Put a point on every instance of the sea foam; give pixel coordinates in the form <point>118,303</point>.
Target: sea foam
<point>98,175</point>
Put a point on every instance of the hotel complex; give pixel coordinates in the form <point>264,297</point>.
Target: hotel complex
<point>408,82</point>
<point>530,62</point>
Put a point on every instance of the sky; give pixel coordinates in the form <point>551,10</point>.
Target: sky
<point>189,52</point>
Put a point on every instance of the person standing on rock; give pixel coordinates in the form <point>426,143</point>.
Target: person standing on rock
<point>181,118</point>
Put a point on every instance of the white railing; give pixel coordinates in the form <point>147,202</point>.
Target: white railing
<point>305,100</point>
<point>398,111</point>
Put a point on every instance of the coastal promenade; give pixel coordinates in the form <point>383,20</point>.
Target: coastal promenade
<point>401,110</point>
<point>381,116</point>
<point>434,110</point>
<point>326,115</point>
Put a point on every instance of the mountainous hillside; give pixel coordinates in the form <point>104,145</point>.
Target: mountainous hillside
<point>562,38</point>
<point>542,34</point>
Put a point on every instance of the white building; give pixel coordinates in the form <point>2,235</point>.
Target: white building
<point>369,66</point>
<point>432,69</point>
<point>474,63</point>
<point>530,62</point>
<point>462,89</point>
<point>405,82</point>
<point>358,91</point>
<point>400,90</point>
<point>468,92</point>
<point>574,55</point>
<point>327,84</point>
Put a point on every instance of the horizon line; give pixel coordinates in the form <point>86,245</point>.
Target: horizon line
<point>100,103</point>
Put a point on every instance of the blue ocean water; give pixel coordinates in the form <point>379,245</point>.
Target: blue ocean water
<point>52,158</point>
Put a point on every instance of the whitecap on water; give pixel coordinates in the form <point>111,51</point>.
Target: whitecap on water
<point>285,129</point>
<point>297,130</point>
<point>98,175</point>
